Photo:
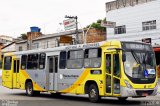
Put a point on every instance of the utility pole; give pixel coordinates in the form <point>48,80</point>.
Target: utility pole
<point>76,18</point>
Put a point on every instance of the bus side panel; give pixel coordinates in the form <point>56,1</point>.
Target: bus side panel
<point>77,86</point>
<point>68,80</point>
<point>7,78</point>
<point>36,76</point>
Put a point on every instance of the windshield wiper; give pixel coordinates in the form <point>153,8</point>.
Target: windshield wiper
<point>135,56</point>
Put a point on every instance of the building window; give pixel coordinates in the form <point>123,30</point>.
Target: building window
<point>149,25</point>
<point>36,45</point>
<point>120,29</point>
<point>47,44</point>
<point>20,48</point>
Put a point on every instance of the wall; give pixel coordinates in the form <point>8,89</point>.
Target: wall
<point>95,35</point>
<point>23,45</point>
<point>133,17</point>
<point>45,43</point>
<point>10,48</point>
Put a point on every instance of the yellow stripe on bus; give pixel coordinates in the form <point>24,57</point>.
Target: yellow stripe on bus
<point>35,85</point>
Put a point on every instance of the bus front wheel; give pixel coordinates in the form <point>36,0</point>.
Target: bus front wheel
<point>93,93</point>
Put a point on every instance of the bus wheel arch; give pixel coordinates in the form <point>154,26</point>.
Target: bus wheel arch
<point>91,88</point>
<point>30,89</point>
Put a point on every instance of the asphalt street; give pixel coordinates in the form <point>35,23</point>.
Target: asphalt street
<point>9,97</point>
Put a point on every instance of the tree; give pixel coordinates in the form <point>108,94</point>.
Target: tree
<point>97,25</point>
<point>24,36</point>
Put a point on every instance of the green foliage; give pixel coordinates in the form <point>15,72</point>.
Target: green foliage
<point>97,25</point>
<point>24,36</point>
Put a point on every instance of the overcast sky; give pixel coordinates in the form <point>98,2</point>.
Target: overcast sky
<point>17,16</point>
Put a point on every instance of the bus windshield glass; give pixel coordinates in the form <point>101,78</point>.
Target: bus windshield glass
<point>140,65</point>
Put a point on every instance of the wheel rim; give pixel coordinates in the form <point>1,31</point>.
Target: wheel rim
<point>93,93</point>
<point>29,89</point>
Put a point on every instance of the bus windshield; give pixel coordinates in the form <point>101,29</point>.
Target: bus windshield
<point>140,65</point>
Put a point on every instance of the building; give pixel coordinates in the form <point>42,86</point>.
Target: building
<point>95,35</point>
<point>59,39</point>
<point>47,41</point>
<point>135,20</point>
<point>4,40</point>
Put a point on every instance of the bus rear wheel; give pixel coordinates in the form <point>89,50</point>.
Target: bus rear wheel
<point>93,93</point>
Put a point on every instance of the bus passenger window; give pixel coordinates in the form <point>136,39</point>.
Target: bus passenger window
<point>32,62</point>
<point>42,59</point>
<point>108,63</point>
<point>23,61</point>
<point>7,63</point>
<point>116,64</point>
<point>75,59</point>
<point>92,58</point>
<point>62,61</point>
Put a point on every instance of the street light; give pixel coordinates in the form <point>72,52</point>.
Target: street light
<point>82,32</point>
<point>85,34</point>
<point>85,40</point>
<point>74,17</point>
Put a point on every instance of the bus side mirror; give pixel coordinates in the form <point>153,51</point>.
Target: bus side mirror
<point>123,57</point>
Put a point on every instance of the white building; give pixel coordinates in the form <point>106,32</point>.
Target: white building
<point>135,20</point>
<point>5,39</point>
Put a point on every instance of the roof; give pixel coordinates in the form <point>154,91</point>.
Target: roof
<point>8,45</point>
<point>45,36</point>
<point>21,41</point>
<point>57,34</point>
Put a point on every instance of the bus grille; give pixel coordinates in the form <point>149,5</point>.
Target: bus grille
<point>144,92</point>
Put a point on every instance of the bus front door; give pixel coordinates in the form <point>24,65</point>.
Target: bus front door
<point>112,74</point>
<point>15,73</point>
<point>53,68</point>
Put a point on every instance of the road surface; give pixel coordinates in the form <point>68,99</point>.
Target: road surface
<point>9,97</point>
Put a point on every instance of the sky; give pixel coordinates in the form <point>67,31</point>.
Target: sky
<point>17,16</point>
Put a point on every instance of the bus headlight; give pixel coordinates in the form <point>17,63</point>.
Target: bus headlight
<point>128,84</point>
<point>156,86</point>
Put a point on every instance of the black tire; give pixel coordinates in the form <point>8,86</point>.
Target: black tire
<point>122,98</point>
<point>37,93</point>
<point>56,94</point>
<point>29,89</point>
<point>93,93</point>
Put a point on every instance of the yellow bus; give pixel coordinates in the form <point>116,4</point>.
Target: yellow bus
<point>106,69</point>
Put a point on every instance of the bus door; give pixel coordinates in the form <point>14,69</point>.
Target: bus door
<point>112,74</point>
<point>53,69</point>
<point>7,73</point>
<point>15,73</point>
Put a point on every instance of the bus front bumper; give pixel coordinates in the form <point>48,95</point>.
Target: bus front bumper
<point>129,92</point>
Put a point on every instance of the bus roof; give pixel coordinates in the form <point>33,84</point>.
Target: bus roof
<point>72,47</point>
